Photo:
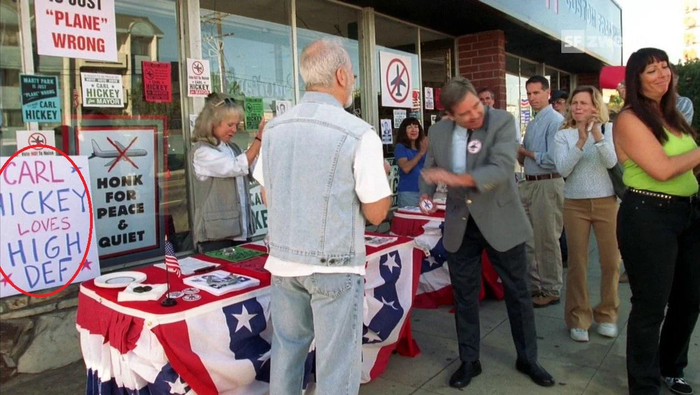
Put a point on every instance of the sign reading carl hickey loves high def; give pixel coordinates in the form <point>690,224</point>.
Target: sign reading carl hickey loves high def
<point>102,90</point>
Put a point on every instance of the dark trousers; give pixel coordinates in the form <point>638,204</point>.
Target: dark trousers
<point>660,245</point>
<point>465,275</point>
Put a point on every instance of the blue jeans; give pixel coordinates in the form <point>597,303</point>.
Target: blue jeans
<point>327,307</point>
<point>408,199</point>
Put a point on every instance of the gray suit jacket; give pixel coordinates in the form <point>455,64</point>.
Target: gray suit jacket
<point>495,202</point>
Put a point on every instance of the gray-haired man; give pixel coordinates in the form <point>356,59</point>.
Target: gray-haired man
<point>322,174</point>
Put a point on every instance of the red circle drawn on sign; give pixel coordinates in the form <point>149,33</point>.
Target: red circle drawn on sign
<point>399,75</point>
<point>197,67</point>
<point>87,247</point>
<point>36,142</point>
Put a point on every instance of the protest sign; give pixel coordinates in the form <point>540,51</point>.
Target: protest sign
<point>124,184</point>
<point>27,138</point>
<point>157,84</point>
<point>84,29</point>
<point>45,223</point>
<point>102,90</point>
<point>259,210</point>
<point>387,136</point>
<point>254,112</point>
<point>198,78</point>
<point>40,101</point>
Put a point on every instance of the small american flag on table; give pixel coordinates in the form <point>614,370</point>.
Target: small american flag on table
<point>171,262</point>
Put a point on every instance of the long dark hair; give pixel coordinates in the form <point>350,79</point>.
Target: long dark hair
<point>646,109</point>
<point>402,135</point>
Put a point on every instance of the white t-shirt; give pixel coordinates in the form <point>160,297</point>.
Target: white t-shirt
<point>223,163</point>
<point>371,185</point>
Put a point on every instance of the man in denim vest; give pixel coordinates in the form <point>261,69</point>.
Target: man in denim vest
<point>322,174</point>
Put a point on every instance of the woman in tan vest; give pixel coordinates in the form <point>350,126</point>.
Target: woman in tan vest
<point>223,215</point>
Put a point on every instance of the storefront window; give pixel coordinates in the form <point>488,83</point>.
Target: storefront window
<point>319,19</point>
<point>10,69</point>
<point>436,69</point>
<point>136,148</point>
<point>248,45</point>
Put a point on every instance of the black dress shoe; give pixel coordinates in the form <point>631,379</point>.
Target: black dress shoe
<point>536,373</point>
<point>464,374</point>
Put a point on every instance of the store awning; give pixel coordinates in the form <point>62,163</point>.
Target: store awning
<point>611,76</point>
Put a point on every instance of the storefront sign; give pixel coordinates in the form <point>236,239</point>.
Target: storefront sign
<point>259,211</point>
<point>124,185</point>
<point>399,116</point>
<point>157,84</point>
<point>27,138</point>
<point>45,223</point>
<point>591,26</point>
<point>40,101</point>
<point>387,138</point>
<point>395,80</point>
<point>80,29</point>
<point>254,112</point>
<point>429,100</point>
<point>198,78</point>
<point>102,90</point>
<point>281,106</point>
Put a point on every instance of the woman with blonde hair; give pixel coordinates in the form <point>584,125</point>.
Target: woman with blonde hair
<point>584,153</point>
<point>223,213</point>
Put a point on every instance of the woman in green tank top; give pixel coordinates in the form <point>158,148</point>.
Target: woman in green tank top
<point>658,225</point>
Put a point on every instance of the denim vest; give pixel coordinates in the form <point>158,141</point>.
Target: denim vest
<point>314,213</point>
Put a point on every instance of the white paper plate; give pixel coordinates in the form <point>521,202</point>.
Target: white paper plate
<point>119,279</point>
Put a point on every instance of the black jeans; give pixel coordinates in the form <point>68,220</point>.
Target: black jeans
<point>660,245</point>
<point>465,275</point>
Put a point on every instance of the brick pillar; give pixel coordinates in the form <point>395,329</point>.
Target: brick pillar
<point>588,79</point>
<point>482,60</point>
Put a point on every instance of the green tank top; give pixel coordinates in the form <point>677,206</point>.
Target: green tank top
<point>684,185</point>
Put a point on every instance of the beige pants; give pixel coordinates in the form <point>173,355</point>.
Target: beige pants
<point>579,216</point>
<point>544,203</point>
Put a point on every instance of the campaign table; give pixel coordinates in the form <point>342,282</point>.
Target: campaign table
<point>435,288</point>
<point>221,345</point>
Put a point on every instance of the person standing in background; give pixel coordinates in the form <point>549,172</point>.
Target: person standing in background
<point>486,97</point>
<point>558,102</point>
<point>683,104</point>
<point>542,195</point>
<point>410,149</point>
<point>584,153</point>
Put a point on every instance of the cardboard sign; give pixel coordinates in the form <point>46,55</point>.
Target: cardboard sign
<point>387,138</point>
<point>82,29</point>
<point>45,223</point>
<point>395,78</point>
<point>124,185</point>
<point>429,100</point>
<point>254,112</point>
<point>157,84</point>
<point>102,90</point>
<point>40,101</point>
<point>26,138</point>
<point>198,78</point>
<point>399,116</point>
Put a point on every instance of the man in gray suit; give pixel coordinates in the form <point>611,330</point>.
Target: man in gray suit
<point>473,152</point>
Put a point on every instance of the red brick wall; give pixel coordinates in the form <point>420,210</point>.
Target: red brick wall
<point>588,79</point>
<point>482,60</point>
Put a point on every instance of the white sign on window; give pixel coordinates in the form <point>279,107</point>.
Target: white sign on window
<point>198,78</point>
<point>83,29</point>
<point>395,80</point>
<point>26,138</point>
<point>429,99</point>
<point>387,137</point>
<point>102,90</point>
<point>281,106</point>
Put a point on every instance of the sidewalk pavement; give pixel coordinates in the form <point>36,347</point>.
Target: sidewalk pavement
<point>593,368</point>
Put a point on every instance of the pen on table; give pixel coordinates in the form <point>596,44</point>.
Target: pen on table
<point>204,269</point>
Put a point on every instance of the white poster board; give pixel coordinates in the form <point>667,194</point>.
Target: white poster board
<point>429,99</point>
<point>395,78</point>
<point>399,116</point>
<point>198,78</point>
<point>26,138</point>
<point>102,90</point>
<point>45,223</point>
<point>124,173</point>
<point>83,29</point>
<point>259,211</point>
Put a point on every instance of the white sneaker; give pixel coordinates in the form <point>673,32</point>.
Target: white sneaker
<point>580,335</point>
<point>678,385</point>
<point>607,330</point>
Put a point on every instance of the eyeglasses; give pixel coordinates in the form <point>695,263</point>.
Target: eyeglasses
<point>227,101</point>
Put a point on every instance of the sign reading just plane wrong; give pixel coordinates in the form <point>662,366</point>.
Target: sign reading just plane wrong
<point>395,80</point>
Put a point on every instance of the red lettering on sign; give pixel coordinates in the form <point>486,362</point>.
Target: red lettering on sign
<point>77,21</point>
<point>69,41</point>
